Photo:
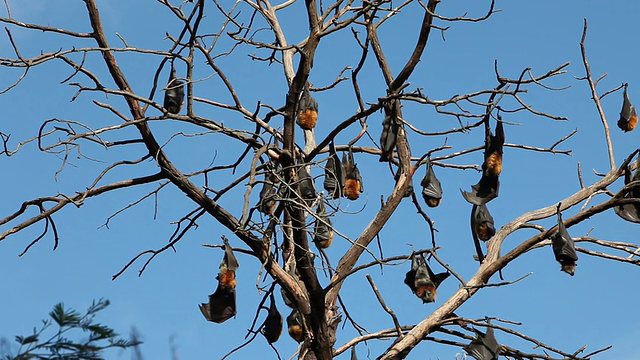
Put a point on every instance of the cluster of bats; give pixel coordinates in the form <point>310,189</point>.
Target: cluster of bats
<point>343,179</point>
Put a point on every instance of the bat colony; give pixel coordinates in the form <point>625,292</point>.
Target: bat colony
<point>342,178</point>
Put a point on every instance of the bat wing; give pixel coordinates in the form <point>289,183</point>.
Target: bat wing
<point>431,187</point>
<point>483,346</point>
<point>307,190</point>
<point>563,246</point>
<point>484,191</point>
<point>333,174</point>
<point>221,305</point>
<point>628,212</point>
<point>229,258</point>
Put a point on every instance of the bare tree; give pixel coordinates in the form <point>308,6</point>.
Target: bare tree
<point>273,159</point>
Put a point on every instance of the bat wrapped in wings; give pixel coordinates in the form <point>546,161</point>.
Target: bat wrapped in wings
<point>294,326</point>
<point>307,110</point>
<point>563,247</point>
<point>222,303</point>
<point>267,203</point>
<point>628,116</point>
<point>482,224</point>
<point>353,180</point>
<point>333,174</point>
<point>630,212</point>
<point>305,185</point>
<point>421,280</point>
<point>488,186</point>
<point>431,188</point>
<point>174,93</point>
<point>272,326</point>
<point>389,134</point>
<point>323,231</point>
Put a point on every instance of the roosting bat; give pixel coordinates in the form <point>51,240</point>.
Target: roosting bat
<point>628,117</point>
<point>389,135</point>
<point>431,188</point>
<point>222,303</point>
<point>333,174</point>
<point>307,110</point>
<point>272,326</point>
<point>267,203</point>
<point>305,185</point>
<point>323,232</point>
<point>294,326</point>
<point>396,177</point>
<point>563,247</point>
<point>421,280</point>
<point>482,222</point>
<point>484,346</point>
<point>630,212</point>
<point>353,181</point>
<point>487,188</point>
<point>174,94</point>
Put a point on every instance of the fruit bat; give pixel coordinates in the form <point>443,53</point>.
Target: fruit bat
<point>484,346</point>
<point>421,280</point>
<point>305,185</point>
<point>482,222</point>
<point>222,303</point>
<point>389,135</point>
<point>353,181</point>
<point>487,188</point>
<point>174,94</point>
<point>563,247</point>
<point>323,232</point>
<point>630,212</point>
<point>307,110</point>
<point>294,326</point>
<point>272,326</point>
<point>396,177</point>
<point>333,174</point>
<point>628,116</point>
<point>431,188</point>
<point>267,203</point>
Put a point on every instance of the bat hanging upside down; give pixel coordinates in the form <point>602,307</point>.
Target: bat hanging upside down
<point>222,303</point>
<point>422,281</point>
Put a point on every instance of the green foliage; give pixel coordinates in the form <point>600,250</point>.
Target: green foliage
<point>94,338</point>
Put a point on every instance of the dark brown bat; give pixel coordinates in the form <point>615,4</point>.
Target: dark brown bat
<point>294,326</point>
<point>396,177</point>
<point>307,110</point>
<point>431,188</point>
<point>628,116</point>
<point>305,184</point>
<point>482,224</point>
<point>488,186</point>
<point>389,135</point>
<point>563,247</point>
<point>353,181</point>
<point>323,232</point>
<point>267,203</point>
<point>333,174</point>
<point>222,303</point>
<point>174,94</point>
<point>272,326</point>
<point>630,212</point>
<point>422,281</point>
<point>484,346</point>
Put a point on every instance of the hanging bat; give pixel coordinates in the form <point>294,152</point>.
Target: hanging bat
<point>431,188</point>
<point>323,232</point>
<point>294,326</point>
<point>174,94</point>
<point>267,203</point>
<point>307,110</point>
<point>389,135</point>
<point>630,212</point>
<point>487,188</point>
<point>272,326</point>
<point>396,177</point>
<point>305,184</point>
<point>422,281</point>
<point>222,303</point>
<point>353,181</point>
<point>333,174</point>
<point>484,346</point>
<point>482,222</point>
<point>563,247</point>
<point>628,116</point>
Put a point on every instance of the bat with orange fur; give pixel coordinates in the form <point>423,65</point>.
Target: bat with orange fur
<point>487,188</point>
<point>222,303</point>
<point>422,281</point>
<point>628,116</point>
<point>353,180</point>
<point>294,326</point>
<point>307,110</point>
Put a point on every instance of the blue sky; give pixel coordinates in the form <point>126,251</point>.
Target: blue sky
<point>593,308</point>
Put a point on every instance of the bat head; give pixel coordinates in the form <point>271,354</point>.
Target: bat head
<point>628,116</point>
<point>569,266</point>
<point>431,187</point>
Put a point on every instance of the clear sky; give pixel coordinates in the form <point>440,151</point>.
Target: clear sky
<point>595,307</point>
